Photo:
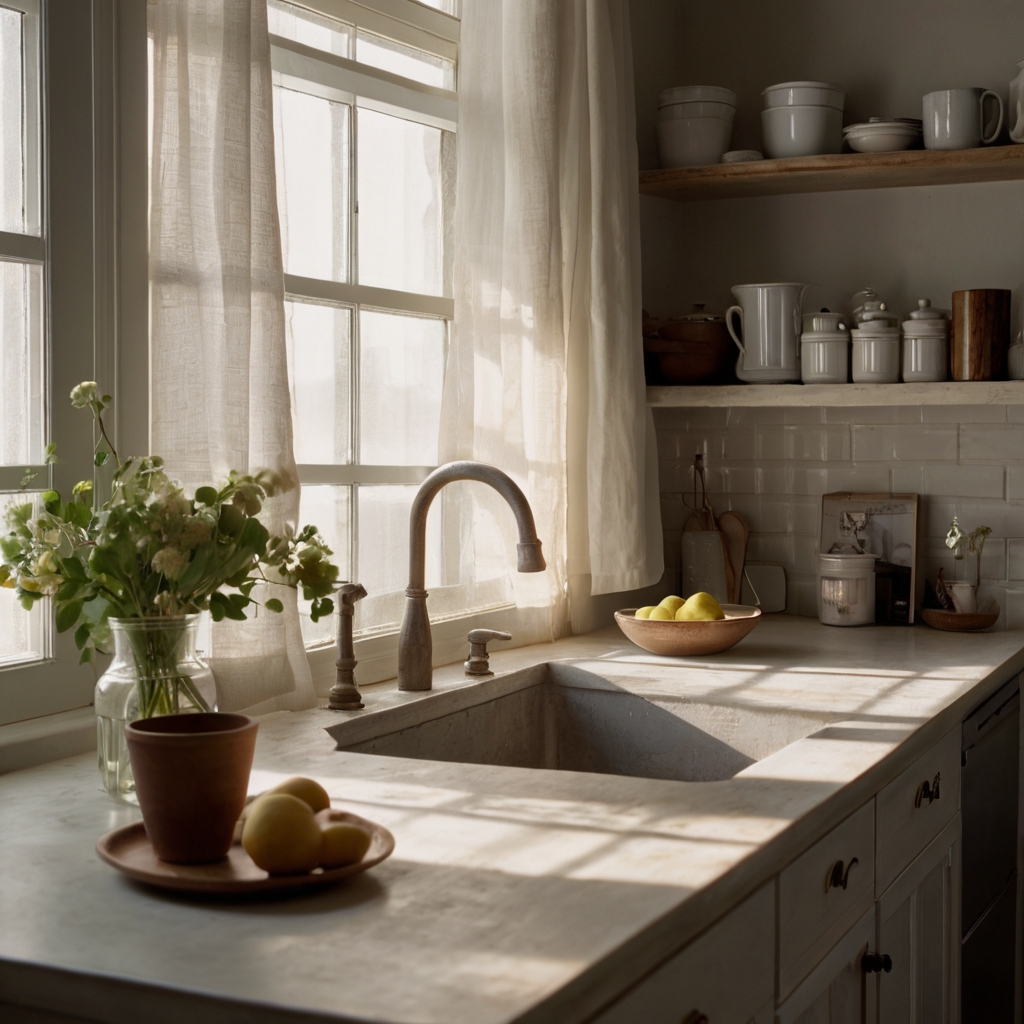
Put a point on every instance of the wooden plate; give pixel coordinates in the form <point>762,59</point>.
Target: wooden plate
<point>959,622</point>
<point>693,638</point>
<point>128,849</point>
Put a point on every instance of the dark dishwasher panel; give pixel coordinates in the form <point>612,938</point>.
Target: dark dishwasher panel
<point>990,753</point>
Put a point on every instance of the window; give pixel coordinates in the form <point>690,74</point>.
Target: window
<point>365,113</point>
<point>23,388</point>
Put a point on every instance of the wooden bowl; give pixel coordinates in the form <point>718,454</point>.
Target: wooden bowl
<point>693,638</point>
<point>959,622</point>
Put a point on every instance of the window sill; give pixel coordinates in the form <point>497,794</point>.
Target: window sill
<point>38,740</point>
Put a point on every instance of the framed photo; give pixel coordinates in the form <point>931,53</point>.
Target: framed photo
<point>883,525</point>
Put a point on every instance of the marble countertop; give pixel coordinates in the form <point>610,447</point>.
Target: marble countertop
<point>513,894</point>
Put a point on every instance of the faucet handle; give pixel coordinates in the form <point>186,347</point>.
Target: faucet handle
<point>478,664</point>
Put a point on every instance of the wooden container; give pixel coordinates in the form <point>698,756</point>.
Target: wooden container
<point>694,349</point>
<point>981,333</point>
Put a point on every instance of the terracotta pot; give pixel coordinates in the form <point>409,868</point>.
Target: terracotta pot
<point>191,777</point>
<point>981,333</point>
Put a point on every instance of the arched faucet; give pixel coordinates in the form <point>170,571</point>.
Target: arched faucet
<point>415,647</point>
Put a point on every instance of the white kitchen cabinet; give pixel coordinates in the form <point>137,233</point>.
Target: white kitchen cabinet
<point>838,990</point>
<point>919,929</point>
<point>703,978</point>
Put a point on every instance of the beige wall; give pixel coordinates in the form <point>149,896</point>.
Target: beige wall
<point>908,243</point>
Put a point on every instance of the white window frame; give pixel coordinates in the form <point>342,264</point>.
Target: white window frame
<point>316,72</point>
<point>93,247</point>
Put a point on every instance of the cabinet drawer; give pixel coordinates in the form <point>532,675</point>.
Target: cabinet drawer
<point>814,910</point>
<point>908,818</point>
<point>727,973</point>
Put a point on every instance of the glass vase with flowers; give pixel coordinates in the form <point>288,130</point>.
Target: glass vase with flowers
<point>131,575</point>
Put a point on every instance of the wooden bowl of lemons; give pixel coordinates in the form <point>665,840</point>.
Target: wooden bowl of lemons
<point>690,628</point>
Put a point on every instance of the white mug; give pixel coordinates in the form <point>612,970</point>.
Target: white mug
<point>770,328</point>
<point>955,118</point>
<point>1015,111</point>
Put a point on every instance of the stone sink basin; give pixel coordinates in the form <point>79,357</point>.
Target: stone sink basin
<point>578,722</point>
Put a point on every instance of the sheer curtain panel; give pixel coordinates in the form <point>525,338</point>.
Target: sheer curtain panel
<point>220,395</point>
<point>545,374</point>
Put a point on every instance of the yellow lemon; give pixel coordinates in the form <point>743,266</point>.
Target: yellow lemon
<point>660,613</point>
<point>700,607</point>
<point>305,789</point>
<point>341,843</point>
<point>671,604</point>
<point>644,613</point>
<point>281,834</point>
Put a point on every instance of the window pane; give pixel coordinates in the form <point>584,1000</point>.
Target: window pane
<point>401,372</point>
<point>19,122</point>
<point>311,29</point>
<point>384,539</point>
<point>319,339</point>
<point>403,60</point>
<point>448,6</point>
<point>21,364</point>
<point>329,508</point>
<point>313,149</point>
<point>400,204</point>
<point>21,632</point>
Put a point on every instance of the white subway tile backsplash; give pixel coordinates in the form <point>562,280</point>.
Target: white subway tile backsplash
<point>1015,559</point>
<point>740,443</point>
<point>1014,610</point>
<point>963,481</point>
<point>772,465</point>
<point>907,478</point>
<point>873,443</point>
<point>993,442</point>
<point>963,413</point>
<point>738,479</point>
<point>926,443</point>
<point>868,478</point>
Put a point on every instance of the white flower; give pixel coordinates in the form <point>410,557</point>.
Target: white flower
<point>45,564</point>
<point>171,562</point>
<point>83,394</point>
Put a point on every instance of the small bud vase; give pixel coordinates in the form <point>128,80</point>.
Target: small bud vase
<point>155,671</point>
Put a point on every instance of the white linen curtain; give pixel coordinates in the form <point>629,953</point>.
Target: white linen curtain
<point>220,397</point>
<point>545,373</point>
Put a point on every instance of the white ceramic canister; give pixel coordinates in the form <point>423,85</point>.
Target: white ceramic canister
<point>875,358</point>
<point>846,589</point>
<point>925,350</point>
<point>825,357</point>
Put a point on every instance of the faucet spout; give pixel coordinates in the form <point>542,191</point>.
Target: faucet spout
<point>415,647</point>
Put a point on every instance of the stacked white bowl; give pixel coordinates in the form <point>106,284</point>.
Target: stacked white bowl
<point>802,119</point>
<point>694,125</point>
<point>926,343</point>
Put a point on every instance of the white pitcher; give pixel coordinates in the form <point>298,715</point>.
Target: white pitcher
<point>769,337</point>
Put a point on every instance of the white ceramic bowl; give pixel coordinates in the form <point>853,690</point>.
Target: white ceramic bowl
<point>875,360</point>
<point>803,94</point>
<point>925,359</point>
<point>881,138</point>
<point>696,108</point>
<point>801,131</point>
<point>825,360</point>
<point>682,93</point>
<point>693,141</point>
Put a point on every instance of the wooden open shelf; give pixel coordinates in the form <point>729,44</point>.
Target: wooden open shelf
<point>996,392</point>
<point>836,173</point>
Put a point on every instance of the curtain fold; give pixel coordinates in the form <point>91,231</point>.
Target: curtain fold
<point>219,379</point>
<point>545,373</point>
